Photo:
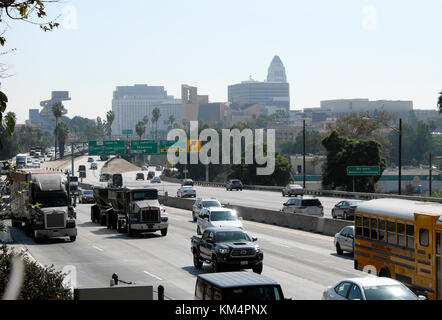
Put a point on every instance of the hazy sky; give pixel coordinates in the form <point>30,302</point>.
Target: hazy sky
<point>331,49</point>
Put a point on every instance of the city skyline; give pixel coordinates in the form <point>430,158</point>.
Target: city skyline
<point>357,49</point>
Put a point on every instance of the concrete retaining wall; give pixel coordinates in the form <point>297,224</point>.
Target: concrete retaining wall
<point>295,221</point>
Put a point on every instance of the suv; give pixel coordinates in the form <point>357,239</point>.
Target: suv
<point>201,203</point>
<point>140,176</point>
<point>90,159</point>
<point>187,182</point>
<point>217,218</point>
<point>150,174</point>
<point>306,205</point>
<point>292,190</point>
<point>239,285</point>
<point>94,166</point>
<point>234,184</point>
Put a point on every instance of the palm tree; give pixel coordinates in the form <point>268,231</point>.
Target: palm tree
<point>155,117</point>
<point>110,117</point>
<point>171,120</point>
<point>439,102</point>
<point>57,111</point>
<point>61,132</point>
<point>140,129</point>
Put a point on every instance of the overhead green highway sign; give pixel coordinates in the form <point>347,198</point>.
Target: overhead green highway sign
<point>109,147</point>
<point>144,146</point>
<point>363,170</point>
<point>128,131</point>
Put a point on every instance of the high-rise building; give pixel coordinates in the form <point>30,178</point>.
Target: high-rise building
<point>131,104</point>
<point>276,71</point>
<point>46,117</point>
<point>271,93</point>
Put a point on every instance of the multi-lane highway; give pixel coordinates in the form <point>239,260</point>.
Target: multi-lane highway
<point>303,263</point>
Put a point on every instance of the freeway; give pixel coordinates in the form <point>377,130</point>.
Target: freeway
<point>303,263</point>
<point>251,198</point>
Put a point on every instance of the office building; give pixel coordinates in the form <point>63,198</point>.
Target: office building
<point>361,105</point>
<point>46,117</point>
<point>131,104</point>
<point>271,93</point>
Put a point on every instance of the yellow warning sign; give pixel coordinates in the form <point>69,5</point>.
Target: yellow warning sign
<point>193,146</point>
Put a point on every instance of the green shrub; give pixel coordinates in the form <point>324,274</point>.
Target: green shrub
<point>39,283</point>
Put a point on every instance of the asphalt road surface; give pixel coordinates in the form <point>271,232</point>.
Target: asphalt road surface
<point>303,263</point>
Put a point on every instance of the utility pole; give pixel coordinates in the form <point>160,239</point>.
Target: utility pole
<point>430,177</point>
<point>303,150</point>
<point>400,157</point>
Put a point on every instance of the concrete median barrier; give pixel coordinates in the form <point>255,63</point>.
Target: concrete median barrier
<point>290,220</point>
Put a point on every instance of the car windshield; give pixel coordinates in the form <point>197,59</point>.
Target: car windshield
<point>87,192</point>
<point>211,204</point>
<point>354,203</point>
<point>389,292</point>
<point>311,203</point>
<point>224,216</point>
<point>145,195</point>
<point>188,188</point>
<point>231,236</point>
<point>253,293</point>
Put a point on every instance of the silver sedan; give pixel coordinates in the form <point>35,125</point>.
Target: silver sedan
<point>344,240</point>
<point>369,288</point>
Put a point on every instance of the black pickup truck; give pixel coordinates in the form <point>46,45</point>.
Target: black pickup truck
<point>226,247</point>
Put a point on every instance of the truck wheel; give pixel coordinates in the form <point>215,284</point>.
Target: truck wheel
<point>164,232</point>
<point>198,230</point>
<point>73,238</point>
<point>130,232</point>
<point>197,263</point>
<point>119,228</point>
<point>257,268</point>
<point>215,264</point>
<point>193,216</point>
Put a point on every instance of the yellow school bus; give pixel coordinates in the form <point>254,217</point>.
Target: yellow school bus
<point>401,239</point>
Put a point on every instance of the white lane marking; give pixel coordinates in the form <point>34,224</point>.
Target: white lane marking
<point>282,245</point>
<point>99,249</point>
<point>152,275</point>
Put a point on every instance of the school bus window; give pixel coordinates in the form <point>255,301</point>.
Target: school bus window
<point>423,237</point>
<point>382,229</point>
<point>391,232</point>
<point>366,222</point>
<point>374,228</point>
<point>358,225</point>
<point>410,236</point>
<point>438,242</point>
<point>400,227</point>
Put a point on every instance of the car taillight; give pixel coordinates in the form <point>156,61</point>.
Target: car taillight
<point>302,207</point>
<point>320,206</point>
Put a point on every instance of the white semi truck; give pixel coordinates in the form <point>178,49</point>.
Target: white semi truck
<point>40,204</point>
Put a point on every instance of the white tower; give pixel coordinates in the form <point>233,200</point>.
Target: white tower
<point>276,71</point>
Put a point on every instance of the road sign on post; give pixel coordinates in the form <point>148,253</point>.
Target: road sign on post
<point>363,170</point>
<point>110,147</point>
<point>144,146</point>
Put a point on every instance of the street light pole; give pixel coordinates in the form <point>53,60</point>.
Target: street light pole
<point>303,151</point>
<point>400,157</point>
